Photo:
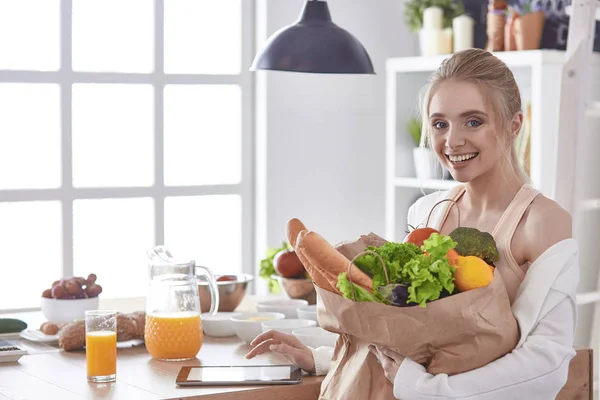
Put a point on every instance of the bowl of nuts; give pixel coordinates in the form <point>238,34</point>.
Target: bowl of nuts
<point>69,298</point>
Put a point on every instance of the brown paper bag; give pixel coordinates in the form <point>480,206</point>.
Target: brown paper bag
<point>451,335</point>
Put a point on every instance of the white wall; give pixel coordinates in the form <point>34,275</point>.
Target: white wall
<point>325,133</point>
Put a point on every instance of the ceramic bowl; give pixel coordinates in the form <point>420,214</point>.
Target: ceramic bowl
<point>285,306</point>
<point>287,325</point>
<point>231,291</point>
<point>315,337</point>
<point>219,325</point>
<point>308,312</point>
<point>247,326</point>
<point>67,310</point>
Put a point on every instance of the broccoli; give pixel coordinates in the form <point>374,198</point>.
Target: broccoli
<point>473,242</point>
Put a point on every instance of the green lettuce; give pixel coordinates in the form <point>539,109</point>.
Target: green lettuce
<point>395,256</point>
<point>345,288</point>
<point>425,271</point>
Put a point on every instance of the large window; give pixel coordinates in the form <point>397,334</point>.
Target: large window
<point>123,124</point>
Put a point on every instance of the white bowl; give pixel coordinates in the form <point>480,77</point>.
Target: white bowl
<point>287,325</point>
<point>219,325</point>
<point>67,310</point>
<point>316,337</point>
<point>308,312</point>
<point>285,306</point>
<point>247,326</point>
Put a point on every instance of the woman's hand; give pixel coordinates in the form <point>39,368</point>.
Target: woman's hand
<point>390,361</point>
<point>288,346</point>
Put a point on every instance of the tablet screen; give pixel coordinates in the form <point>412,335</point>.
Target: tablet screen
<point>240,373</point>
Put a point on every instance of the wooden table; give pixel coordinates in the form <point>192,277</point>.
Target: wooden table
<point>62,375</point>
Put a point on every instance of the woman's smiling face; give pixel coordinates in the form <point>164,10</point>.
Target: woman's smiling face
<point>462,132</point>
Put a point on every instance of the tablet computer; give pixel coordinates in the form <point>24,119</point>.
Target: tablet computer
<point>239,375</point>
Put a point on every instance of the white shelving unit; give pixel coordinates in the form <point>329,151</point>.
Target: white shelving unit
<point>538,74</point>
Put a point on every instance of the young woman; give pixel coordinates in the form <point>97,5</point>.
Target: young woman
<point>472,115</point>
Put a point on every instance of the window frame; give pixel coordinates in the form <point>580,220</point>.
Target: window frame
<point>65,77</point>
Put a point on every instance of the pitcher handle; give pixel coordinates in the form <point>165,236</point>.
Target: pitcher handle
<point>214,290</point>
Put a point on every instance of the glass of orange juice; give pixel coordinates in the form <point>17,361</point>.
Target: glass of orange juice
<point>101,345</point>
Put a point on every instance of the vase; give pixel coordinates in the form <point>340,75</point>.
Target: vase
<point>427,165</point>
<point>528,30</point>
<point>509,35</point>
<point>434,42</point>
<point>462,32</point>
<point>495,32</point>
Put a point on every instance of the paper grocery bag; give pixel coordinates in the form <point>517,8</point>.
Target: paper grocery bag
<point>451,335</point>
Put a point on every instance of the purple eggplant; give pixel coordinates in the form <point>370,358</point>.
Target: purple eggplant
<point>396,294</point>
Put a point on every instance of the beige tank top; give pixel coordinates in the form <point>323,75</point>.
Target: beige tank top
<point>512,273</point>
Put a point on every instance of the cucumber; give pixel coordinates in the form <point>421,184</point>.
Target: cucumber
<point>11,325</point>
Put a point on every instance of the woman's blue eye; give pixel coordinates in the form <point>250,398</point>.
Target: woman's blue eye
<point>439,125</point>
<point>477,123</point>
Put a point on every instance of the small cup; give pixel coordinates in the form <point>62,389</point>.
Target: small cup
<point>101,345</point>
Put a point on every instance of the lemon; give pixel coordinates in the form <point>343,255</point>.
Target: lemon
<point>472,273</point>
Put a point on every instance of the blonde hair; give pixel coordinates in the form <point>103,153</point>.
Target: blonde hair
<point>499,89</point>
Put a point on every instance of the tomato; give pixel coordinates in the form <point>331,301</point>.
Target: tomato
<point>419,235</point>
<point>225,278</point>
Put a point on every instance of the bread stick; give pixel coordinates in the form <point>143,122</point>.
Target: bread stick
<point>292,229</point>
<point>327,259</point>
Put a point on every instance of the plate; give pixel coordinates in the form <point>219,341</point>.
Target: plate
<point>11,335</point>
<point>35,335</point>
<point>9,352</point>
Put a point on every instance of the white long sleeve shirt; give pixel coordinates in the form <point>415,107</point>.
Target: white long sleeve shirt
<point>537,369</point>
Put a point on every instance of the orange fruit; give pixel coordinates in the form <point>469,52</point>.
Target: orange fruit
<point>472,273</point>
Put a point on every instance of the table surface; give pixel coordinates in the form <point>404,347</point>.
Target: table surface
<point>55,374</point>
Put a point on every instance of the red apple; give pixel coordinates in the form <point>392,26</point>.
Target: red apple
<point>288,265</point>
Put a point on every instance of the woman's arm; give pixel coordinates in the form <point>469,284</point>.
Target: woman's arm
<point>536,370</point>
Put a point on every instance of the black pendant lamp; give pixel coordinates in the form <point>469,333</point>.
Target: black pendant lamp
<point>314,44</point>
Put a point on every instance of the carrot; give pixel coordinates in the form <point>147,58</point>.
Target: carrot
<point>326,258</point>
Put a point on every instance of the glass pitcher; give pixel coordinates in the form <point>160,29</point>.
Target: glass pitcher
<point>173,328</point>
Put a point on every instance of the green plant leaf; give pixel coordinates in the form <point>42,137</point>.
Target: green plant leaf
<point>413,12</point>
<point>267,268</point>
<point>413,126</point>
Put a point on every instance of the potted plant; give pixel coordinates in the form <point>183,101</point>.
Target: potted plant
<point>528,25</point>
<point>427,165</point>
<point>413,15</point>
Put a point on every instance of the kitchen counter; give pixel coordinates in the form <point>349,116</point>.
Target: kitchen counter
<point>55,374</point>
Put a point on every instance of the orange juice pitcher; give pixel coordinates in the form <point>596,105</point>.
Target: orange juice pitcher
<point>173,324</point>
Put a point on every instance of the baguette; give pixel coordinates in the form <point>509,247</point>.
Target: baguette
<point>320,278</point>
<point>326,258</point>
<point>292,229</point>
